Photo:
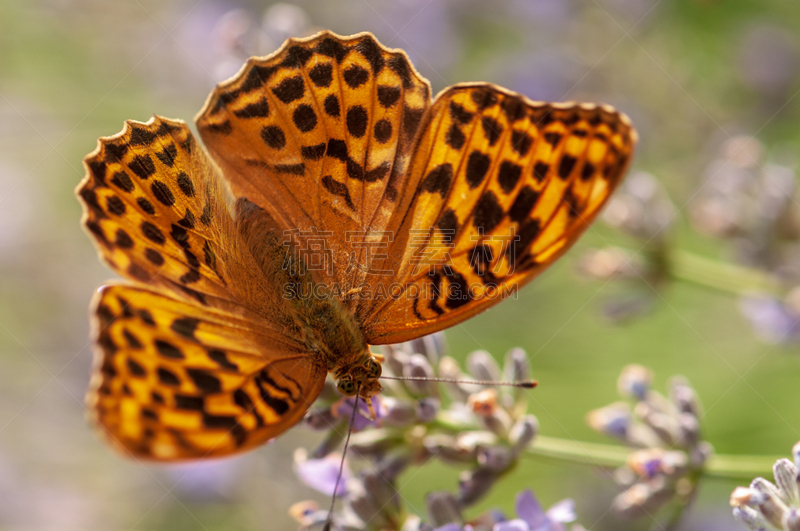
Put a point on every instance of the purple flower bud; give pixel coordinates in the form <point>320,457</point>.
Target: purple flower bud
<point>516,366</point>
<point>751,518</point>
<point>786,479</point>
<point>427,408</point>
<point>613,419</point>
<point>523,433</point>
<point>483,366</point>
<point>448,368</point>
<point>397,413</point>
<point>392,466</point>
<point>495,458</point>
<point>443,508</point>
<point>643,498</point>
<point>792,520</point>
<point>418,366</point>
<point>432,347</point>
<point>773,508</point>
<point>683,396</point>
<point>635,381</point>
<point>474,484</point>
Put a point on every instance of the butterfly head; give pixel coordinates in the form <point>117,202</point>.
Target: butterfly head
<point>360,378</point>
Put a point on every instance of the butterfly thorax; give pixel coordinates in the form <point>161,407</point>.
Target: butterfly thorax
<point>341,345</point>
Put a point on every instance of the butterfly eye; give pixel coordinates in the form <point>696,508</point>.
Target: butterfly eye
<point>346,387</point>
<point>373,368</point>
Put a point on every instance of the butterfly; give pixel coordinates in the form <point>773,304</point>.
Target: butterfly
<point>335,206</point>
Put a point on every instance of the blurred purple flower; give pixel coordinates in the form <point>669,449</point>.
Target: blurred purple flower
<point>533,518</point>
<point>344,409</point>
<point>771,319</point>
<point>321,474</point>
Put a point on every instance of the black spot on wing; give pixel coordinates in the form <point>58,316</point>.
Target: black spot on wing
<point>477,166</point>
<point>523,204</point>
<point>338,189</point>
<point>142,165</point>
<point>290,89</point>
<point>256,77</point>
<point>565,166</point>
<point>521,142</point>
<point>258,109</point>
<point>273,136</point>
<point>220,358</point>
<point>454,137</point>
<point>123,239</point>
<point>314,152</point>
<point>322,75</point>
<point>552,138</point>
<point>540,170</point>
<point>141,136</point>
<point>206,382</point>
<point>154,257</point>
<point>122,181</point>
<point>357,119</point>
<point>152,233</point>
<point>387,95</point>
<point>115,205</point>
<point>162,192</point>
<point>185,326</point>
<point>337,149</point>
<point>372,53</point>
<point>297,57</point>
<point>438,180</point>
<point>491,129</point>
<point>168,350</point>
<point>331,47</point>
<point>383,131</point>
<point>509,175</point>
<point>487,213</point>
<point>185,184</point>
<point>331,105</point>
<point>304,118</point>
<point>355,76</point>
<point>400,65</point>
<point>460,114</point>
<point>168,154</point>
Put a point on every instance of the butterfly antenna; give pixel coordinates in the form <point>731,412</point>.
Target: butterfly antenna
<point>329,521</point>
<point>524,384</point>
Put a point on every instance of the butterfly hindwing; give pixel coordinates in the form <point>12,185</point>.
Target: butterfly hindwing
<point>174,380</point>
<point>319,134</point>
<point>500,186</point>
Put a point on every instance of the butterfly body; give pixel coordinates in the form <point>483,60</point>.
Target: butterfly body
<point>327,327</point>
<point>337,207</point>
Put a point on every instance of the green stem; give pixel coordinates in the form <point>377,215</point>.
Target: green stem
<point>721,276</point>
<point>744,467</point>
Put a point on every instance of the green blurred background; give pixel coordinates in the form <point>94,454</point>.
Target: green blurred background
<point>691,74</point>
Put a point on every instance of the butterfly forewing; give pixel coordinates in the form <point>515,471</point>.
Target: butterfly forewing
<point>503,186</point>
<point>174,380</point>
<point>319,134</point>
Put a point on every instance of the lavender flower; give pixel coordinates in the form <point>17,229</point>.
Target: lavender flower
<point>666,433</point>
<point>468,424</point>
<point>774,506</point>
<point>531,516</point>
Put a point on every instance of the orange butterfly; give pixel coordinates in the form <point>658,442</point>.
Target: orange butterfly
<point>340,207</point>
